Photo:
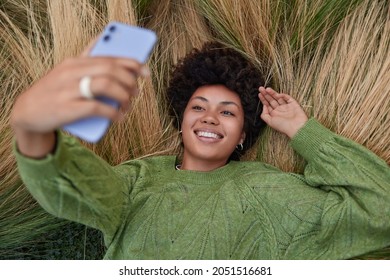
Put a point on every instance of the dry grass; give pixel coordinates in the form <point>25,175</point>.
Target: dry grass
<point>330,55</point>
<point>180,28</point>
<point>345,82</point>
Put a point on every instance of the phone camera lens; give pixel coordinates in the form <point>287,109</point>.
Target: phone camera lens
<point>112,28</point>
<point>106,38</point>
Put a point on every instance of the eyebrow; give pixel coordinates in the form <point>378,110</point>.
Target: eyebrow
<point>222,102</point>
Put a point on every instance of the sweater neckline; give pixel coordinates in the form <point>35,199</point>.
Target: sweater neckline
<point>203,177</point>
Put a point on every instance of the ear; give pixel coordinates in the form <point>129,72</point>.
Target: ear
<point>242,139</point>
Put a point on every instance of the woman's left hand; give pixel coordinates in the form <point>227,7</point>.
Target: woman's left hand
<point>281,111</point>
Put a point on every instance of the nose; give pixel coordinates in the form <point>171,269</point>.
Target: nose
<point>210,118</point>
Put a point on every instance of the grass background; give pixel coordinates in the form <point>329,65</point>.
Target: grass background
<point>332,56</point>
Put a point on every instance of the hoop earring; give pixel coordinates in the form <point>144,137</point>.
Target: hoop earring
<point>240,147</point>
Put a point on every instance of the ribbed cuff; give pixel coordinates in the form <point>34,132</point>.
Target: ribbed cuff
<point>310,138</point>
<point>30,167</point>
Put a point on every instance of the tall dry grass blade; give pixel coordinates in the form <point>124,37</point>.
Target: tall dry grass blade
<point>73,24</point>
<point>349,84</point>
<point>24,57</point>
<point>19,66</point>
<point>180,27</point>
<point>307,20</point>
<point>341,82</point>
<point>249,26</point>
<point>122,11</point>
<point>360,54</point>
<point>141,8</point>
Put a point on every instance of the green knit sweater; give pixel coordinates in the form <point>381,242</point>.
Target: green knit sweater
<point>146,209</point>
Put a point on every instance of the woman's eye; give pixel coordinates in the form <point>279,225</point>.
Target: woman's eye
<point>197,108</point>
<point>227,113</point>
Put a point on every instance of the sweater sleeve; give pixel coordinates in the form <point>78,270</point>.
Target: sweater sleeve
<point>356,212</point>
<point>75,184</point>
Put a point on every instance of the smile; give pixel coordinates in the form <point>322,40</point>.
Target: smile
<point>208,134</point>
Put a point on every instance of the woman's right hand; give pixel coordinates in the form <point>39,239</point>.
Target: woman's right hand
<point>55,100</point>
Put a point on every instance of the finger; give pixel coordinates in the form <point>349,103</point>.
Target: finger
<point>114,89</point>
<point>262,99</point>
<point>265,110</point>
<point>281,100</point>
<point>262,96</point>
<point>286,98</point>
<point>281,97</point>
<point>96,108</point>
<point>101,65</point>
<point>88,66</point>
<point>106,75</point>
<point>271,91</point>
<point>276,96</point>
<point>272,101</point>
<point>71,71</point>
<point>82,109</point>
<point>265,115</point>
<point>126,80</point>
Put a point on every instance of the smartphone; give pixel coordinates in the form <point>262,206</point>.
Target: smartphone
<point>117,40</point>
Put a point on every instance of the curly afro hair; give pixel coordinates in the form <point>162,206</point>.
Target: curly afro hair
<point>215,64</point>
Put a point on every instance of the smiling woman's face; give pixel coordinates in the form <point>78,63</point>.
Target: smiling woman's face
<point>212,127</point>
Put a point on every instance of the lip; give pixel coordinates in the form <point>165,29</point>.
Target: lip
<point>206,138</point>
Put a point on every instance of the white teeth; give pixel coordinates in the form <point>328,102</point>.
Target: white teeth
<point>208,134</point>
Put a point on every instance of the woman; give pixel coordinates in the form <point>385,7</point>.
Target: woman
<point>207,205</point>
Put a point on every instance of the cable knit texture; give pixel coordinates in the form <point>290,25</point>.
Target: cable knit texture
<point>339,207</point>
